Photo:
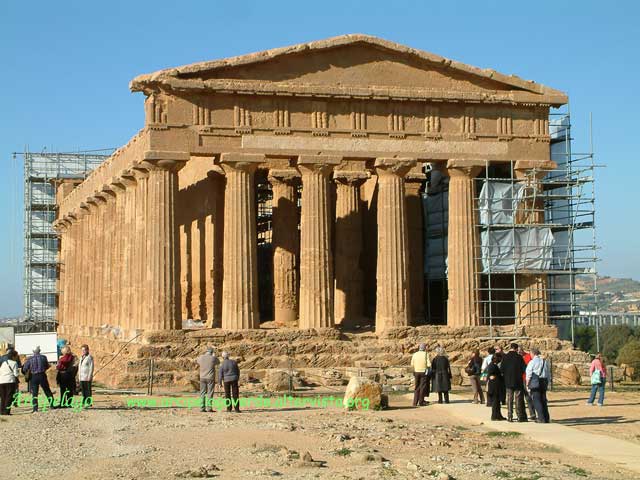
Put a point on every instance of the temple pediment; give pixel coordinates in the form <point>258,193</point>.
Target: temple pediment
<point>351,65</point>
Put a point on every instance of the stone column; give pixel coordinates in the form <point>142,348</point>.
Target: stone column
<point>463,278</point>
<point>286,245</point>
<point>103,259</point>
<point>119,190</point>
<point>216,177</point>
<point>163,295</point>
<point>414,181</point>
<point>531,289</point>
<point>61,227</point>
<point>79,301</point>
<point>69,272</point>
<point>316,262</point>
<point>129,299</point>
<point>94,263</point>
<point>349,285</point>
<point>140,252</point>
<point>393,307</point>
<point>240,309</point>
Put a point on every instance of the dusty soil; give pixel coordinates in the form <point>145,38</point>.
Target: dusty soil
<point>111,441</point>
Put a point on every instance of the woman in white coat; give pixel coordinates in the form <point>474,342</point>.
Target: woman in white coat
<point>9,371</point>
<point>85,375</point>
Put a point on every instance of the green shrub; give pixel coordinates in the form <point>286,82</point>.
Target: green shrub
<point>630,355</point>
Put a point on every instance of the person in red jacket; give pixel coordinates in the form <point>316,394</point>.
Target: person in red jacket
<point>66,377</point>
<point>526,356</point>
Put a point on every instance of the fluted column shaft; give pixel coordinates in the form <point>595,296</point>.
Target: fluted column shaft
<point>140,257</point>
<point>240,308</point>
<point>463,307</point>
<point>392,293</point>
<point>107,239</point>
<point>95,264</point>
<point>531,289</point>
<point>118,298</point>
<point>62,283</point>
<point>348,296</point>
<point>83,319</point>
<point>163,295</point>
<point>316,262</point>
<point>128,291</point>
<point>286,245</point>
<point>217,250</point>
<point>413,185</point>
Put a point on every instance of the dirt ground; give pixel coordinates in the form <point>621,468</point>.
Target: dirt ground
<point>110,440</point>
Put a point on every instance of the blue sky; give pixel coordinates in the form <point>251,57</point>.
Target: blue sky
<point>65,69</point>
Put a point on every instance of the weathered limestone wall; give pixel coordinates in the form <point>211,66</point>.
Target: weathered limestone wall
<point>323,357</point>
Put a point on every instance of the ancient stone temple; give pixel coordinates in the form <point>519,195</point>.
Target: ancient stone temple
<point>340,133</point>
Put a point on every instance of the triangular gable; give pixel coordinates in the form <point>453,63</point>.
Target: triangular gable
<point>349,61</point>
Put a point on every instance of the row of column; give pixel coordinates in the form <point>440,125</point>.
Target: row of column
<point>119,249</point>
<point>118,252</point>
<point>322,299</point>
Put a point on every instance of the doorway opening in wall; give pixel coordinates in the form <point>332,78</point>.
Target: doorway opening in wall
<point>264,229</point>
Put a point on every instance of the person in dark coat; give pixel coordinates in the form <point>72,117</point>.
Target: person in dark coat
<point>37,366</point>
<point>441,372</point>
<point>495,386</point>
<point>66,377</point>
<point>513,367</point>
<point>229,375</point>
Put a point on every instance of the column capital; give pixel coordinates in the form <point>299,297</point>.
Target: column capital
<point>394,166</point>
<point>319,160</point>
<point>59,225</point>
<point>247,162</point>
<point>529,169</point>
<point>351,177</point>
<point>289,176</point>
<point>464,168</point>
<point>165,160</point>
<point>118,184</point>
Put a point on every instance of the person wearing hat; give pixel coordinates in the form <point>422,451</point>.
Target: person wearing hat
<point>36,366</point>
<point>421,365</point>
<point>207,362</point>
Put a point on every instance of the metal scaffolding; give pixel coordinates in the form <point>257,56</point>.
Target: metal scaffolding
<point>527,228</point>
<point>42,171</point>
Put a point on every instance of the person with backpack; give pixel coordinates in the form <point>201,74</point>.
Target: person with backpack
<point>9,371</point>
<point>538,375</point>
<point>598,374</point>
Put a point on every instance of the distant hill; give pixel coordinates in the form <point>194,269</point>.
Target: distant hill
<point>614,294</point>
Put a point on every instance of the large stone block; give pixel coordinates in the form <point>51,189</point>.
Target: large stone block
<point>362,388</point>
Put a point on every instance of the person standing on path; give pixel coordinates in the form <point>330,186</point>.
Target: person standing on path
<point>9,371</point>
<point>420,363</point>
<point>483,375</point>
<point>495,386</point>
<point>598,374</point>
<point>526,356</point>
<point>229,376</point>
<point>473,370</point>
<point>85,375</point>
<point>36,366</point>
<point>66,377</point>
<point>441,375</point>
<point>207,362</point>
<point>513,368</point>
<point>538,375</point>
